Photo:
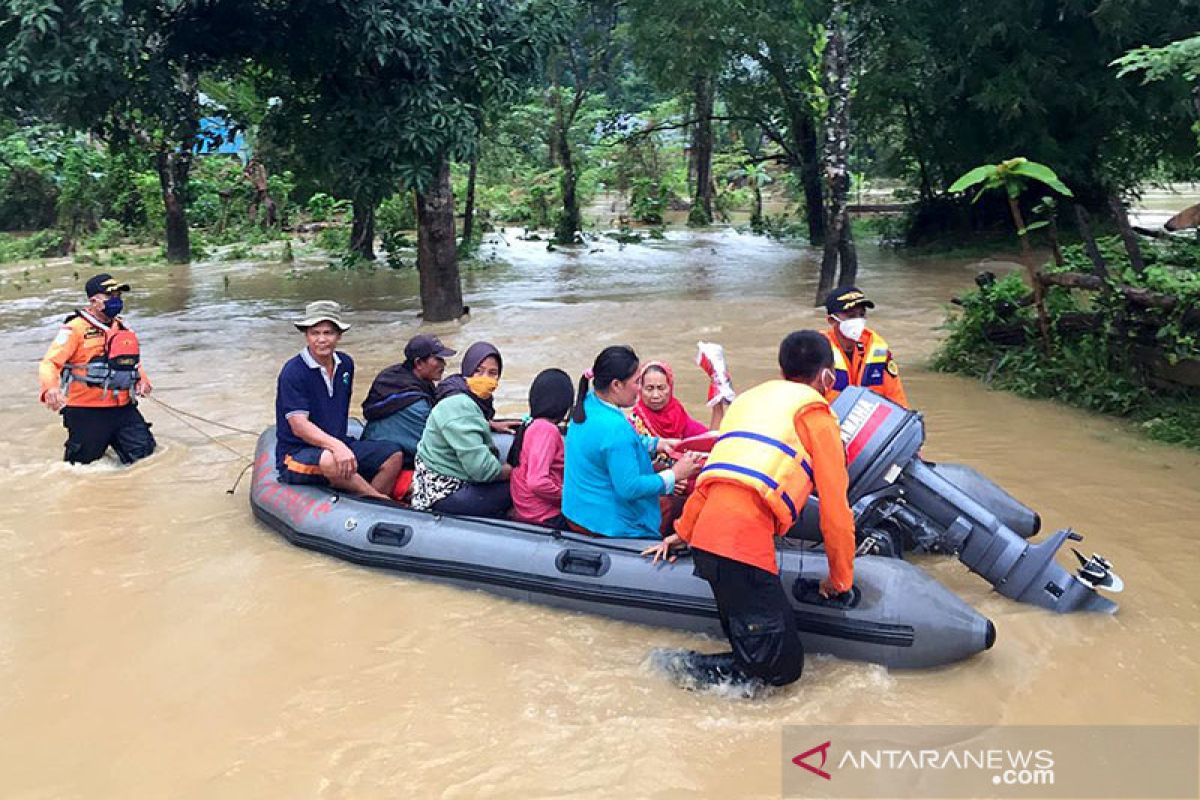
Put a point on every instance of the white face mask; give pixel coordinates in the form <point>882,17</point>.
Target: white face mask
<point>853,328</point>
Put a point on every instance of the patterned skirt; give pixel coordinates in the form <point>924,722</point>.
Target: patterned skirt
<point>428,487</point>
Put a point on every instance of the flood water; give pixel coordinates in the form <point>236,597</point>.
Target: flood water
<point>157,642</point>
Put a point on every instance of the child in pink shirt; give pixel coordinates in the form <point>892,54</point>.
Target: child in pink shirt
<point>537,452</point>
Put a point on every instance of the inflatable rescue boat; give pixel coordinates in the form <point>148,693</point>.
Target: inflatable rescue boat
<point>896,615</point>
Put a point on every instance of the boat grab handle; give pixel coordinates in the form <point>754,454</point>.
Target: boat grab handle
<point>808,591</point>
<point>582,562</point>
<point>389,534</point>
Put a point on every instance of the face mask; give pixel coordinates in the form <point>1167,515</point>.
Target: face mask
<point>113,306</point>
<point>852,329</point>
<point>482,386</point>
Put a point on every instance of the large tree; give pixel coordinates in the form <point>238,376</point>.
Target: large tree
<point>689,66</point>
<point>580,65</point>
<point>946,86</point>
<point>381,96</point>
<point>127,71</point>
<point>773,80</point>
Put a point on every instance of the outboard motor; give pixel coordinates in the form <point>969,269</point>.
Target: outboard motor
<point>902,502</point>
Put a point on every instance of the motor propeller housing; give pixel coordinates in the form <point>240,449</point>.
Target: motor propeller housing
<point>901,501</point>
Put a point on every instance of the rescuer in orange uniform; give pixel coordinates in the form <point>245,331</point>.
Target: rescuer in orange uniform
<point>92,374</point>
<point>778,443</point>
<point>861,356</point>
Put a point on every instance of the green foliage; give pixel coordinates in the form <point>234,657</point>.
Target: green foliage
<point>1176,60</point>
<point>332,239</point>
<point>647,200</point>
<point>1092,363</point>
<point>47,243</point>
<point>416,74</point>
<point>109,233</point>
<point>396,216</point>
<point>948,85</point>
<point>321,207</point>
<point>1011,175</point>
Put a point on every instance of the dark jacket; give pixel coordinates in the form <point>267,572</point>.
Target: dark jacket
<point>395,389</point>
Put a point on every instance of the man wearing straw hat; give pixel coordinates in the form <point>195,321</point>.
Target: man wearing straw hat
<point>312,407</point>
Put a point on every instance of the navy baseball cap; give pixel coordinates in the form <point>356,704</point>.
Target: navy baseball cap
<point>104,283</point>
<point>423,346</point>
<point>845,298</point>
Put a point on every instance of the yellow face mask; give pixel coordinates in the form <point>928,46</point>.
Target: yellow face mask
<point>482,386</point>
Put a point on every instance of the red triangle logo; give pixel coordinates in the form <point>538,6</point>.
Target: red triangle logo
<point>823,749</point>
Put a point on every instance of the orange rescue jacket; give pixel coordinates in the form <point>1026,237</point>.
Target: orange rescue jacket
<point>97,363</point>
<point>778,442</point>
<point>870,365</point>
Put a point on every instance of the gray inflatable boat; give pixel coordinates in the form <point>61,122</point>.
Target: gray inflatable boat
<point>896,615</point>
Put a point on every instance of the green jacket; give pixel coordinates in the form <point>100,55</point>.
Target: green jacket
<point>458,442</point>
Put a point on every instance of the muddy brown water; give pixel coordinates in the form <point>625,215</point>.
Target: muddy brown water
<point>155,641</point>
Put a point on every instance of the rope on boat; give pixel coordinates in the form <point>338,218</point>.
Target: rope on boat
<point>182,417</point>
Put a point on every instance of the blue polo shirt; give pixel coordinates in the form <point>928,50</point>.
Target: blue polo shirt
<point>304,387</point>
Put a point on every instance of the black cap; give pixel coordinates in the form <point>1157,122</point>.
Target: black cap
<point>845,298</point>
<point>423,346</point>
<point>104,283</point>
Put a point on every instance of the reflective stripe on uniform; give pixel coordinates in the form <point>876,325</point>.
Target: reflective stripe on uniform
<point>770,482</point>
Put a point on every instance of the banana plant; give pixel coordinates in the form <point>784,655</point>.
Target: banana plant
<point>1013,177</point>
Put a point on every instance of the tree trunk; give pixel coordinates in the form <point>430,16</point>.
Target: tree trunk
<point>437,262</point>
<point>926,190</point>
<point>1121,216</point>
<point>173,171</point>
<point>701,213</point>
<point>837,151</point>
<point>848,253</point>
<point>569,220</point>
<point>804,134</point>
<point>468,229</point>
<point>362,229</point>
<point>1099,268</point>
<point>1052,229</point>
<point>756,215</point>
<point>1039,294</point>
<point>1136,295</point>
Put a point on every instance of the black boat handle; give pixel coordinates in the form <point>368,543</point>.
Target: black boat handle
<point>808,591</point>
<point>389,534</point>
<point>582,562</point>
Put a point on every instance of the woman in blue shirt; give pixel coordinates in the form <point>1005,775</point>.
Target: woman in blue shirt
<point>610,487</point>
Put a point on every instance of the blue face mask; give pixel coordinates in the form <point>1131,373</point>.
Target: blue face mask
<point>113,306</point>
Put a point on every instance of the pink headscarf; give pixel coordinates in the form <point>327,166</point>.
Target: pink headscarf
<point>673,421</point>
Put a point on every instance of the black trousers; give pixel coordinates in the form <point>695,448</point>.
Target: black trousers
<point>758,620</point>
<point>478,500</point>
<point>91,431</point>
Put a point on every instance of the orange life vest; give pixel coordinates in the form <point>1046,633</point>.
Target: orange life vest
<point>875,358</point>
<point>115,368</point>
<point>758,447</point>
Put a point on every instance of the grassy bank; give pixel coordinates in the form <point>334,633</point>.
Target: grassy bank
<point>1104,353</point>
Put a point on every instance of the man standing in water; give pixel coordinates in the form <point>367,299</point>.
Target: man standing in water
<point>312,408</point>
<point>861,356</point>
<point>779,442</point>
<point>93,375</point>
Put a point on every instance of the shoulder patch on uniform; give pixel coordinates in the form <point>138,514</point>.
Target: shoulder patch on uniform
<point>64,336</point>
<point>892,369</point>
